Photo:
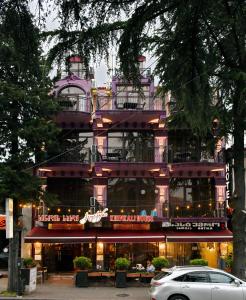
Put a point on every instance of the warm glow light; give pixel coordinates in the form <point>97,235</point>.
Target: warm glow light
<point>34,205</point>
<point>106,170</point>
<point>166,209</point>
<point>48,209</point>
<point>199,205</point>
<point>188,206</point>
<point>154,121</point>
<point>58,209</point>
<point>44,170</point>
<point>177,208</point>
<point>69,210</point>
<point>133,210</point>
<point>210,204</point>
<point>122,210</point>
<point>111,210</point>
<point>154,170</point>
<point>20,205</point>
<point>217,170</point>
<point>105,120</point>
<point>79,210</point>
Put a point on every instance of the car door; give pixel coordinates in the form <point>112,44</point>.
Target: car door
<point>223,287</point>
<point>196,285</point>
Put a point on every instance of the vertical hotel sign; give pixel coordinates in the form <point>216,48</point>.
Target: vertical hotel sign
<point>9,218</point>
<point>227,175</point>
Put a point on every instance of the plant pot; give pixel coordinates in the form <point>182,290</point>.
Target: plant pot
<point>120,279</point>
<point>81,278</point>
<point>29,278</point>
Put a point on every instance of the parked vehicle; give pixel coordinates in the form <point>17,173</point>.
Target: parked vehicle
<point>196,282</point>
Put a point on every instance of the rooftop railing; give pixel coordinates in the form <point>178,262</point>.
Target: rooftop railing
<point>133,154</point>
<point>75,103</point>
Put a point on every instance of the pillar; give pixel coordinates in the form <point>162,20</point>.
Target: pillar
<point>160,148</point>
<point>162,202</point>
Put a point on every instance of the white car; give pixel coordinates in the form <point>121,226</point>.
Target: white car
<point>196,283</point>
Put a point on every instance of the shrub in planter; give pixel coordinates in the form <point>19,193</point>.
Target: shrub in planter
<point>82,263</point>
<point>29,262</point>
<point>160,262</point>
<point>121,265</point>
<point>199,262</point>
<point>29,274</point>
<point>228,263</point>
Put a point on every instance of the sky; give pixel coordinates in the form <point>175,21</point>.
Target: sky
<point>102,72</point>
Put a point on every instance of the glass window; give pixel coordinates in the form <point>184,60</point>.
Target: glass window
<point>220,278</point>
<point>196,277</point>
<point>180,278</point>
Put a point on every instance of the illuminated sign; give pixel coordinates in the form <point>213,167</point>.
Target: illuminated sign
<point>198,226</point>
<point>58,218</point>
<point>94,218</point>
<point>2,222</point>
<point>131,218</point>
<point>227,175</point>
<point>9,207</point>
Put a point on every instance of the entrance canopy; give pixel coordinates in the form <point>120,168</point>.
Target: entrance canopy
<point>123,236</point>
<point>44,235</point>
<point>196,236</point>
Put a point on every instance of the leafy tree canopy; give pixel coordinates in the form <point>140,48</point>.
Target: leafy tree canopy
<point>25,108</point>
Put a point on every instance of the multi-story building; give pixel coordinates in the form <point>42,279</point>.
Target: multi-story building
<point>127,185</point>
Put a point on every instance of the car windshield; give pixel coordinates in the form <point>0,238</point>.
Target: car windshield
<point>162,275</point>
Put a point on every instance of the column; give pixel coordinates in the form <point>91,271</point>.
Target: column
<point>162,202</point>
<point>161,148</point>
<point>220,191</point>
<point>100,193</point>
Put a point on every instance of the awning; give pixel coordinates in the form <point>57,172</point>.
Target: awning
<point>196,236</point>
<point>44,235</point>
<point>123,236</point>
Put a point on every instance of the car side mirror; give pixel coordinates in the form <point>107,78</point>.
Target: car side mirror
<point>237,282</point>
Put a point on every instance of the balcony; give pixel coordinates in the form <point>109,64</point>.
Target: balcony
<point>72,156</point>
<point>203,209</point>
<point>131,103</point>
<point>74,103</point>
<point>192,154</point>
<point>132,155</point>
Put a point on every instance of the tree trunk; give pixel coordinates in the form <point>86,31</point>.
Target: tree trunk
<point>13,254</point>
<point>239,215</point>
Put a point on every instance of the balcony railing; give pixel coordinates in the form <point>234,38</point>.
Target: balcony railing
<point>72,155</point>
<point>75,103</point>
<point>129,103</point>
<point>192,154</point>
<point>138,154</point>
<point>201,209</point>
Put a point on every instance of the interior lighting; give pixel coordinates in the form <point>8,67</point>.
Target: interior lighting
<point>48,209</point>
<point>58,209</point>
<point>199,205</point>
<point>20,205</point>
<point>34,206</point>
<point>210,204</point>
<point>122,210</point>
<point>133,210</point>
<point>188,206</point>
<point>69,210</point>
<point>79,210</point>
<point>166,209</point>
<point>177,207</point>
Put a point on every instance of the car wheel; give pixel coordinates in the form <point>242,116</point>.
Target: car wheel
<point>178,297</point>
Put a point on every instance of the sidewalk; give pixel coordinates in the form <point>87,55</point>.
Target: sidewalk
<point>65,289</point>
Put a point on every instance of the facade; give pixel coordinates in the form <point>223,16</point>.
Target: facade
<point>127,185</point>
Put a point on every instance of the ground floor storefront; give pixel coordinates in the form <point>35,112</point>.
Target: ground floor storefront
<point>56,249</point>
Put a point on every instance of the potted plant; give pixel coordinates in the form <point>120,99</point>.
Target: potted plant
<point>121,266</point>
<point>160,262</point>
<point>199,262</point>
<point>228,263</point>
<point>29,274</point>
<point>82,264</point>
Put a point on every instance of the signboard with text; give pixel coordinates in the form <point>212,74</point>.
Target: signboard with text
<point>2,222</point>
<point>197,226</point>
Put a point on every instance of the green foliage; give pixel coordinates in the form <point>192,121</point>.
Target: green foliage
<point>122,263</point>
<point>229,261</point>
<point>29,262</point>
<point>160,262</point>
<point>199,262</point>
<point>82,263</point>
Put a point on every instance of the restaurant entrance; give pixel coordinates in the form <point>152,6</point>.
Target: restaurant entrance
<point>59,257</point>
